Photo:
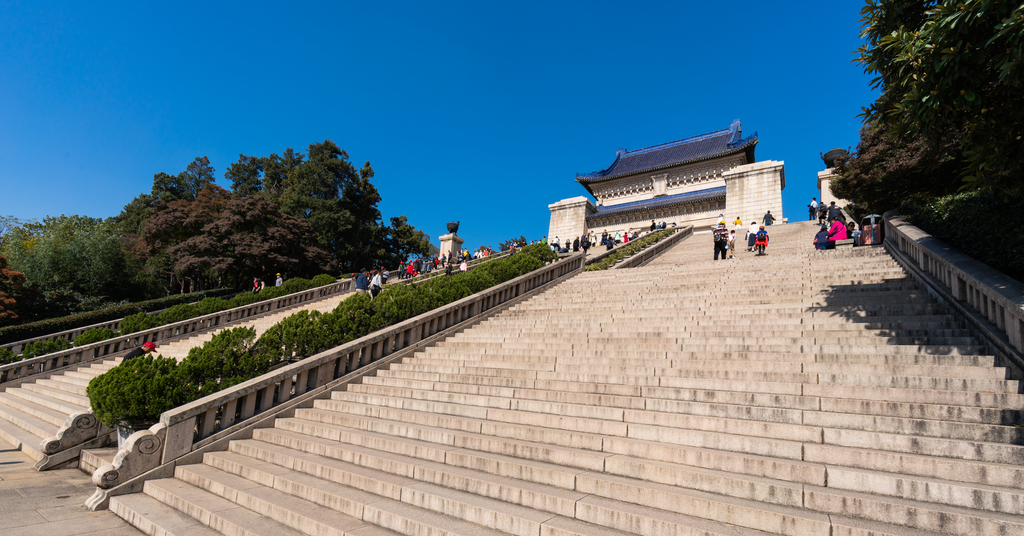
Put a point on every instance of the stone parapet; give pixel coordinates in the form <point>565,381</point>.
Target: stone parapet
<point>569,217</point>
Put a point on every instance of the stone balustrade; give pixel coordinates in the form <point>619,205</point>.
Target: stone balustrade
<point>199,424</point>
<point>13,374</point>
<point>18,347</point>
<point>990,293</point>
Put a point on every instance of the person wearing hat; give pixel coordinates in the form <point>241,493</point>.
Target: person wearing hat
<point>721,237</point>
<point>280,281</point>
<point>146,348</point>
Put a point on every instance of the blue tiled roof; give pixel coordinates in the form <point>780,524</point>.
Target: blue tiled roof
<point>711,145</point>
<point>659,202</point>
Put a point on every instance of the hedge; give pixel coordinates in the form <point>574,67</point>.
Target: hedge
<point>629,249</point>
<point>235,355</point>
<point>982,225</point>
<point>31,330</point>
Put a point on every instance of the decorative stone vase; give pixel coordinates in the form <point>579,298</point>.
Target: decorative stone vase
<point>125,430</point>
<point>830,157</point>
<point>453,227</point>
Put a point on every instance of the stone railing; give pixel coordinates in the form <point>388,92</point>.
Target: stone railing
<point>185,432</point>
<point>14,374</point>
<point>440,271</point>
<point>69,335</point>
<point>995,301</point>
<point>648,253</point>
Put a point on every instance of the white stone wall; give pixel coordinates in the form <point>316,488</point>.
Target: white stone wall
<point>568,217</point>
<point>754,189</point>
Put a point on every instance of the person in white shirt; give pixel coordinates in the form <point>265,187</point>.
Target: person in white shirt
<point>751,234</point>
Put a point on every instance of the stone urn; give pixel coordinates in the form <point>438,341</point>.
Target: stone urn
<point>453,227</point>
<point>830,157</point>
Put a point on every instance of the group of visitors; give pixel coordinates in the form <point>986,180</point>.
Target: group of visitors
<point>371,281</point>
<point>258,284</point>
<point>756,236</point>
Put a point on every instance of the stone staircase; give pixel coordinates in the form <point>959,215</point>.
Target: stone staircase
<point>34,411</point>
<point>797,393</point>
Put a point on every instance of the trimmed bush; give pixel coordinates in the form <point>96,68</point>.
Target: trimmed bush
<point>322,280</point>
<point>138,391</point>
<point>967,221</point>
<point>629,249</point>
<point>138,322</point>
<point>7,356</point>
<point>93,335</point>
<point>38,348</point>
<point>52,325</point>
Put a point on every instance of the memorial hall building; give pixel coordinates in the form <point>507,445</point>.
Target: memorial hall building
<point>686,182</point>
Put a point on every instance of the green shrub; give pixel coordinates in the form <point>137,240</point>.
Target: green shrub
<point>228,359</point>
<point>138,391</point>
<point>53,325</point>
<point>967,221</point>
<point>628,250</point>
<point>138,322</point>
<point>322,280</point>
<point>39,348</point>
<point>177,313</point>
<point>93,335</point>
<point>7,356</point>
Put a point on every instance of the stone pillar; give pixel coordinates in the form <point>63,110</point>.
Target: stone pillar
<point>824,184</point>
<point>569,218</point>
<point>450,243</point>
<point>752,190</point>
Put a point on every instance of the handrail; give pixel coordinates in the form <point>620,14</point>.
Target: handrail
<point>437,272</point>
<point>990,293</point>
<point>191,423</point>
<point>15,373</point>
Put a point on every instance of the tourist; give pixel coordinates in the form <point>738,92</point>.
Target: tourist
<point>585,243</point>
<point>732,244</point>
<point>625,238</point>
<point>822,213</point>
<point>751,234</point>
<point>653,225</point>
<point>821,239</point>
<point>463,267</point>
<point>812,209</point>
<point>720,236</point>
<point>410,270</point>
<point>721,218</point>
<point>362,284</point>
<point>401,270</point>
<point>146,348</point>
<point>576,244</point>
<point>279,281</point>
<point>555,245</point>
<point>837,232</point>
<point>384,275</point>
<point>768,218</point>
<point>376,284</point>
<point>853,232</point>
<point>737,224</point>
<point>834,213</point>
<point>761,240</point>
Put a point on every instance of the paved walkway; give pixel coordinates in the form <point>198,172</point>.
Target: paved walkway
<point>49,503</point>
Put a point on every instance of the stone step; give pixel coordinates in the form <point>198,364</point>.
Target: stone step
<point>92,459</point>
<point>58,405</point>
<point>158,519</point>
<point>30,415</point>
<point>72,395</point>
<point>24,440</point>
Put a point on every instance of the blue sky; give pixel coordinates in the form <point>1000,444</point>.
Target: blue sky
<point>481,112</point>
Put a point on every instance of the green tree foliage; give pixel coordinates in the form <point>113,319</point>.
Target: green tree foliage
<point>405,242</point>
<point>951,73</point>
<point>507,244</point>
<point>39,348</point>
<point>223,239</point>
<point>185,185</point>
<point>74,259</point>
<point>885,174</point>
<point>11,283</point>
<point>245,175</point>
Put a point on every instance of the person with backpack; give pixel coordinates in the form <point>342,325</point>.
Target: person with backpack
<point>376,284</point>
<point>768,218</point>
<point>751,235</point>
<point>721,239</point>
<point>812,209</point>
<point>585,243</point>
<point>761,240</point>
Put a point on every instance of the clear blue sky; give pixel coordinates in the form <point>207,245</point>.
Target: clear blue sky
<point>475,111</point>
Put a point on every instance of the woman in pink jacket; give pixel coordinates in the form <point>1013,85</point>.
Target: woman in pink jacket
<point>838,231</point>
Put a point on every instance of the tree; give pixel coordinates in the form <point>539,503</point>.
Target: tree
<point>951,73</point>
<point>885,175</point>
<point>245,175</point>
<point>185,185</point>
<point>405,241</point>
<point>507,244</point>
<point>9,283</point>
<point>223,239</point>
